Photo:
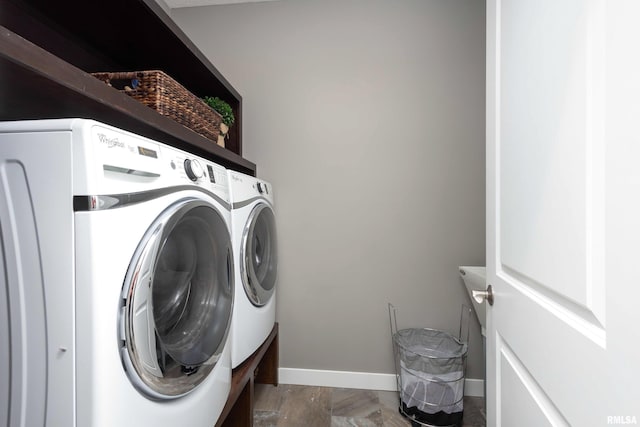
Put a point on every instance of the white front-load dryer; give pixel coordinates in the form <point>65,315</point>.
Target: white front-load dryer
<point>255,252</point>
<point>118,283</point>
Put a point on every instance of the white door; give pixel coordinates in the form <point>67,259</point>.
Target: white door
<point>563,212</point>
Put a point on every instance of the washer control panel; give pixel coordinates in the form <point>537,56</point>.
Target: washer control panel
<point>133,163</point>
<point>188,168</point>
<point>193,169</point>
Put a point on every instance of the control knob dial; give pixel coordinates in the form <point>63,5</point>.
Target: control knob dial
<point>193,169</point>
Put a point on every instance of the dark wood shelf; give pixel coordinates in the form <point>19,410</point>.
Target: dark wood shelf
<point>48,48</point>
<point>262,368</point>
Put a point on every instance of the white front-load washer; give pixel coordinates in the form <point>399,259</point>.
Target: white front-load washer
<point>255,252</point>
<point>117,279</point>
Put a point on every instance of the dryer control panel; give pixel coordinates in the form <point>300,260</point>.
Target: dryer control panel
<point>245,187</point>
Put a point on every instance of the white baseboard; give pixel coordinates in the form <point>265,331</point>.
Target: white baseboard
<point>362,380</point>
<point>473,387</point>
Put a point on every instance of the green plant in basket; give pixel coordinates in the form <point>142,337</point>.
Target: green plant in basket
<point>222,107</point>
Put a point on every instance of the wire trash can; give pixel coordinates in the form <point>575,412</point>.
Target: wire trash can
<point>430,372</point>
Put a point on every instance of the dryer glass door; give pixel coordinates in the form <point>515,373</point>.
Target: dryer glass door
<point>178,298</point>
<point>259,255</point>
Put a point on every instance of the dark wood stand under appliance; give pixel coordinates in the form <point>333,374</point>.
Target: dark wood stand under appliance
<point>262,368</point>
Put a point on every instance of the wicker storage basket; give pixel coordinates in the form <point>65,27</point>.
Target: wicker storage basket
<point>157,90</point>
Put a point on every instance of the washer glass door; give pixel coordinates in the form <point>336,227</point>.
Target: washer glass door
<point>259,255</point>
<point>178,300</point>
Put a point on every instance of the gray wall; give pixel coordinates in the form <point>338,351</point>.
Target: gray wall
<point>368,118</point>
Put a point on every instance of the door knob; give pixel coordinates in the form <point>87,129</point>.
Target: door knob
<point>480,296</point>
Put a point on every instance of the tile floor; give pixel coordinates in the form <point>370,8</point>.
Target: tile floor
<point>306,406</point>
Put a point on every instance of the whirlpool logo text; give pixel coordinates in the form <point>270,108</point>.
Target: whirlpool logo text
<point>110,142</point>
